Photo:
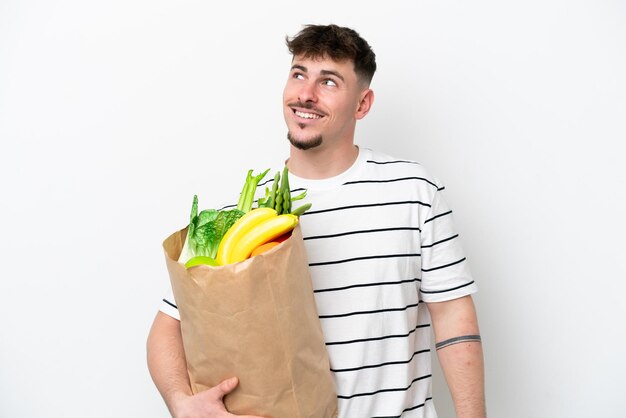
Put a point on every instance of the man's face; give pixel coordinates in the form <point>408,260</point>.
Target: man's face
<point>320,102</point>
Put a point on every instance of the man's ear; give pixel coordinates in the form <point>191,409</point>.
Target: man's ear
<point>365,104</point>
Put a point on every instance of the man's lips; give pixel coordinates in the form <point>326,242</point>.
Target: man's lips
<point>306,115</point>
<point>306,111</point>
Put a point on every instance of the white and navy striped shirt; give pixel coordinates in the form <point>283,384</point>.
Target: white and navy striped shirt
<point>381,242</point>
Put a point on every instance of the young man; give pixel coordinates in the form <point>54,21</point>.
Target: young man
<point>385,261</point>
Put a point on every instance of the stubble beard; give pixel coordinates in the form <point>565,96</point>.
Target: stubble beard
<point>304,145</point>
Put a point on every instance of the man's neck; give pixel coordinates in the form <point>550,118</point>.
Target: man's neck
<point>322,163</point>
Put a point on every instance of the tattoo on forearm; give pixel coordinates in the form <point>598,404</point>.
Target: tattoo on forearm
<point>456,340</point>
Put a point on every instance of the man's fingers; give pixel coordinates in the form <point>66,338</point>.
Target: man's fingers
<point>229,385</point>
<point>224,388</point>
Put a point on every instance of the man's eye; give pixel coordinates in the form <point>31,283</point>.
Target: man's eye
<point>330,82</point>
<point>298,76</point>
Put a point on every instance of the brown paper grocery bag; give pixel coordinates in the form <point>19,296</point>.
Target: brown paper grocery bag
<point>256,320</point>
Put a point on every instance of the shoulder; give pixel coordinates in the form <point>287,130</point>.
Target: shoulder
<point>384,165</point>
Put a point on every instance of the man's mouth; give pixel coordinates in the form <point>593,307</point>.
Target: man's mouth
<point>306,111</point>
<point>307,115</point>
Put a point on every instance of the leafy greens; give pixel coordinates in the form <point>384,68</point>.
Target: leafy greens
<point>207,228</point>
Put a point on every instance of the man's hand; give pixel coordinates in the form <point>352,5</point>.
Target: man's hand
<point>207,404</point>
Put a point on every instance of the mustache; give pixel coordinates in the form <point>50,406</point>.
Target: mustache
<point>307,106</point>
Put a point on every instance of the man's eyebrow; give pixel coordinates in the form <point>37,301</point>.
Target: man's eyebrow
<point>299,67</point>
<point>322,72</point>
<point>330,72</point>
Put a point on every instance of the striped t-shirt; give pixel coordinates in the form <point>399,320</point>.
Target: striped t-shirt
<point>380,242</point>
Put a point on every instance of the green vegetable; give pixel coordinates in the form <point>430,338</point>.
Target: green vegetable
<point>272,199</point>
<point>246,198</point>
<point>200,260</point>
<point>280,199</point>
<point>300,210</point>
<point>299,197</point>
<point>286,192</point>
<point>206,230</point>
<point>263,201</point>
<point>278,205</point>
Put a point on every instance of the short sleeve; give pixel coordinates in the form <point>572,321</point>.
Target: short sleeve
<point>168,305</point>
<point>445,270</point>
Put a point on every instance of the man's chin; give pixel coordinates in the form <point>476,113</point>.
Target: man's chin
<point>304,143</point>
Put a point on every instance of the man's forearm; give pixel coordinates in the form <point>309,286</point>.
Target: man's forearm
<point>462,365</point>
<point>460,354</point>
<point>166,359</point>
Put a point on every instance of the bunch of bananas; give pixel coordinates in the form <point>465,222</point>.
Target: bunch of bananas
<point>255,228</point>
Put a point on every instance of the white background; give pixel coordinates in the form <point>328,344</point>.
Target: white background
<point>113,114</point>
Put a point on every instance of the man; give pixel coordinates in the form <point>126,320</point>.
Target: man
<point>385,261</point>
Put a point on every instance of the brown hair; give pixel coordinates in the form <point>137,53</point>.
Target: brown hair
<point>339,44</point>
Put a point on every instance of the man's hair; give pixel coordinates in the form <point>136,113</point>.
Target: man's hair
<point>339,44</point>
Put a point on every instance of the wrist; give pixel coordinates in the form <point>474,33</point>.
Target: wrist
<point>175,402</point>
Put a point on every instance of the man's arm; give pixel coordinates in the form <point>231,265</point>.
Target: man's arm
<point>166,359</point>
<point>168,368</point>
<point>460,354</point>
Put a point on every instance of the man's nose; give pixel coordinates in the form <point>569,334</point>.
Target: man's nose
<point>308,92</point>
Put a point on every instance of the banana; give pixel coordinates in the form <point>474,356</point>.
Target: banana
<point>240,228</point>
<point>263,232</point>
